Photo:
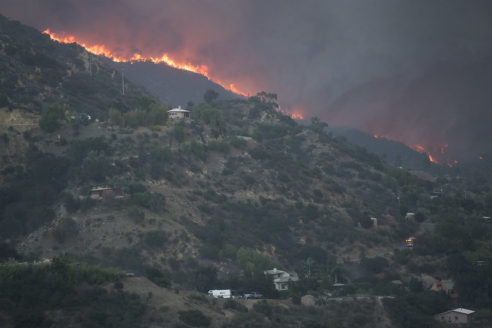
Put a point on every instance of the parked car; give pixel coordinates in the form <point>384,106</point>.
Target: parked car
<point>253,295</point>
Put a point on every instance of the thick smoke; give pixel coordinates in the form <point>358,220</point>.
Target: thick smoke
<point>416,71</point>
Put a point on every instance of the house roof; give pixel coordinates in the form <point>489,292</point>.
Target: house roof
<point>464,311</point>
<point>459,310</point>
<point>287,278</point>
<point>274,271</point>
<point>178,110</point>
<point>101,188</point>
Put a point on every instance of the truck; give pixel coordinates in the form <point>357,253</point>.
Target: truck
<point>220,293</point>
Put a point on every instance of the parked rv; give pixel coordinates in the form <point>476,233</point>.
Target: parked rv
<point>220,293</point>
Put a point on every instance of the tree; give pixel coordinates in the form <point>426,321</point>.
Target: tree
<point>52,118</point>
<point>210,95</point>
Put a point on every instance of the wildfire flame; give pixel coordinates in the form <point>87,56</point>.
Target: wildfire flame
<point>431,159</point>
<point>296,116</point>
<point>421,149</point>
<point>101,50</point>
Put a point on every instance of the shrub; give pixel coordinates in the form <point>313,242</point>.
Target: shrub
<point>234,305</point>
<point>194,318</point>
<point>153,201</point>
<point>52,118</point>
<point>196,149</point>
<point>375,265</point>
<point>217,146</point>
<point>157,277</point>
<point>238,143</point>
<point>136,215</point>
<point>155,239</point>
<point>67,228</point>
<point>253,260</point>
<point>263,307</point>
<point>179,133</point>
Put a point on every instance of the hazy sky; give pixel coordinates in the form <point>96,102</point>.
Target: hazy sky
<point>411,69</point>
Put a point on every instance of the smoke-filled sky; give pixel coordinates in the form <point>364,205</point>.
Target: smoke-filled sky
<point>415,70</point>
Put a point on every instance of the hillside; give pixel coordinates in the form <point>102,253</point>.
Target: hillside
<point>170,85</point>
<point>211,202</point>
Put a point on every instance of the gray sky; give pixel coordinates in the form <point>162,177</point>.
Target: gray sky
<point>349,62</point>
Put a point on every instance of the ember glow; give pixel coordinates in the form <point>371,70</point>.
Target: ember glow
<point>102,50</point>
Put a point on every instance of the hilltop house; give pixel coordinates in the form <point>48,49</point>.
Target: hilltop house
<point>281,278</point>
<point>456,316</point>
<point>178,113</point>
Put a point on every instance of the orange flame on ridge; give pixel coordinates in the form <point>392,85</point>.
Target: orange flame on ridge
<point>101,50</point>
<point>296,116</point>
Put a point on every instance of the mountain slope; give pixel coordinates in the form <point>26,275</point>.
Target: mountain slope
<point>212,201</point>
<point>36,71</point>
<point>170,85</point>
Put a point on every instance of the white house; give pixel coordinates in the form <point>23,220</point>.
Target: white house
<point>281,278</point>
<point>178,113</point>
<point>456,316</point>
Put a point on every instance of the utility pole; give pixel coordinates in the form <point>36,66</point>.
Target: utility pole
<point>90,64</point>
<point>123,82</point>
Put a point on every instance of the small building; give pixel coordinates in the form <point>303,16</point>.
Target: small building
<point>178,113</point>
<point>281,278</point>
<point>446,286</point>
<point>456,316</point>
<point>106,193</point>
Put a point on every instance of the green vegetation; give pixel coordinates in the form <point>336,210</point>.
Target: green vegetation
<point>234,305</point>
<point>30,291</point>
<point>151,114</point>
<point>194,318</point>
<point>155,239</point>
<point>52,119</point>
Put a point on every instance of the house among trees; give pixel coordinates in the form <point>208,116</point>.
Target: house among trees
<point>106,193</point>
<point>281,278</point>
<point>456,316</point>
<point>447,286</point>
<point>178,113</point>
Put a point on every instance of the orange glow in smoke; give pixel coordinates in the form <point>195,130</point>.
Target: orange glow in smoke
<point>101,50</point>
<point>480,157</point>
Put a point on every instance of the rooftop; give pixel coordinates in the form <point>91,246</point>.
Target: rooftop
<point>178,110</point>
<point>464,311</point>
